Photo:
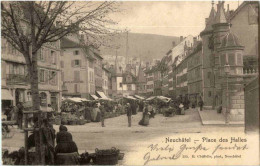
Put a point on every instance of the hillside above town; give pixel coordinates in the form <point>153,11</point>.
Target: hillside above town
<point>145,46</point>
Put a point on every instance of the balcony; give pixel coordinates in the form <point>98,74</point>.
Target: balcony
<point>16,79</point>
<point>253,70</point>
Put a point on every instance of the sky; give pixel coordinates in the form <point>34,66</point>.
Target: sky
<point>171,18</point>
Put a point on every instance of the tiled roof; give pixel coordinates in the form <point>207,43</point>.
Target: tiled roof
<point>230,40</point>
<point>67,43</point>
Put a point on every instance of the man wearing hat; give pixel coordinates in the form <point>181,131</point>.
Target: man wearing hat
<point>129,113</point>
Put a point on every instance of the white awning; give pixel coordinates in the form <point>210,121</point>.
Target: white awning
<point>139,97</point>
<point>94,96</point>
<point>102,95</point>
<point>83,99</point>
<point>150,98</point>
<point>130,97</point>
<point>75,99</point>
<point>164,98</point>
<point>6,95</point>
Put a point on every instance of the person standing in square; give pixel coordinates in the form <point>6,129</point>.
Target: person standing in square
<point>129,114</point>
<point>102,112</point>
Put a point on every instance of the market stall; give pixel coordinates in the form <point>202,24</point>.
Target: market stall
<point>151,98</point>
<point>139,97</point>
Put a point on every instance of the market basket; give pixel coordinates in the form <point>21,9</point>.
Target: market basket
<point>107,157</point>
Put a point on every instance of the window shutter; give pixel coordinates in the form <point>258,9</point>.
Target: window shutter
<point>50,56</point>
<point>231,59</point>
<point>72,63</point>
<point>79,63</point>
<point>44,55</point>
<point>239,59</point>
<point>75,88</point>
<point>62,76</point>
<point>46,75</point>
<point>223,59</point>
<point>39,75</point>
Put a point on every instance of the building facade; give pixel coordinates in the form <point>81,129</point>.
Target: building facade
<point>15,75</point>
<point>77,66</point>
<point>223,76</point>
<point>194,70</point>
<point>149,74</point>
<point>141,82</point>
<point>106,76</point>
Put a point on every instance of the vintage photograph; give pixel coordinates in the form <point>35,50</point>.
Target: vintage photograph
<point>130,83</point>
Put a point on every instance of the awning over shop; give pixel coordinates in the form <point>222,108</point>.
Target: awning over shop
<point>150,98</point>
<point>75,99</point>
<point>102,95</point>
<point>139,97</point>
<point>130,97</point>
<point>6,95</point>
<point>166,99</point>
<point>94,97</point>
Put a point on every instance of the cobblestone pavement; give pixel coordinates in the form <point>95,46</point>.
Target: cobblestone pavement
<point>117,134</point>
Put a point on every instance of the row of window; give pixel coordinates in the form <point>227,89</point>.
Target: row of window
<point>194,74</point>
<point>16,69</point>
<point>181,79</point>
<point>194,61</point>
<point>10,49</point>
<point>47,55</point>
<point>47,76</point>
<point>231,59</point>
<point>149,86</point>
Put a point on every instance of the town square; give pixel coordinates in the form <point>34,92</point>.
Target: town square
<point>130,83</point>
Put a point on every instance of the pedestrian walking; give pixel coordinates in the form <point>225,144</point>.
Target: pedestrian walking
<point>200,103</point>
<point>102,111</point>
<point>7,112</point>
<point>20,115</point>
<point>129,113</point>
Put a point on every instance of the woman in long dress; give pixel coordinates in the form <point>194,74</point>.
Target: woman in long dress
<point>66,149</point>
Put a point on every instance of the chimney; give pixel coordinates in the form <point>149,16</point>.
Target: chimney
<point>173,44</point>
<point>181,39</point>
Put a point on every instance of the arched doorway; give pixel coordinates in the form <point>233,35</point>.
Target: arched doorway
<point>19,95</point>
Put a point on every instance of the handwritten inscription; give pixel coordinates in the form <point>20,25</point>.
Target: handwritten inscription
<point>148,158</point>
<point>170,151</point>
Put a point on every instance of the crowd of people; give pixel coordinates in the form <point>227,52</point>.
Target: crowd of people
<point>95,111</point>
<point>65,151</point>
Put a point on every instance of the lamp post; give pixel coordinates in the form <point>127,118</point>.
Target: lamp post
<point>227,70</point>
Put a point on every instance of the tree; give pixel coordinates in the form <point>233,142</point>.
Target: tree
<point>27,26</point>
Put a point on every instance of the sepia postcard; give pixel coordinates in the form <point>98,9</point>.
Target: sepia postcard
<point>130,83</point>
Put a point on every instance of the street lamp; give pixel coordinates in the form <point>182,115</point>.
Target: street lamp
<point>227,70</point>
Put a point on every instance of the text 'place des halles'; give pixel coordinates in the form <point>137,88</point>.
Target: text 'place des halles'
<point>88,82</point>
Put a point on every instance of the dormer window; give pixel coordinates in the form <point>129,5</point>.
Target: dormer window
<point>76,52</point>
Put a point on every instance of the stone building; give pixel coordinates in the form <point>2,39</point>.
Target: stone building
<point>15,75</point>
<point>77,65</point>
<point>97,68</point>
<point>194,70</point>
<point>106,76</point>
<point>149,74</point>
<point>141,82</point>
<point>177,55</point>
<point>157,81</point>
<point>223,78</point>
